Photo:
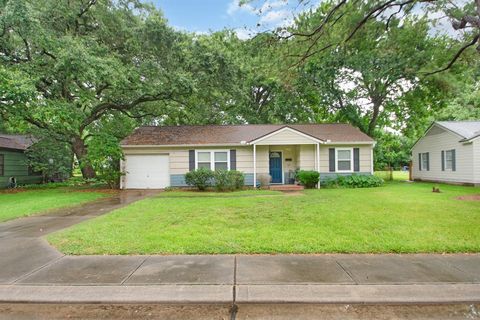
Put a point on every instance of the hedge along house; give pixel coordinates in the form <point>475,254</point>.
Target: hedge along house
<point>13,160</point>
<point>159,157</point>
<point>449,151</point>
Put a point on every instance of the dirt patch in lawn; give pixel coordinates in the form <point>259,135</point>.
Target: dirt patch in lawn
<point>15,190</point>
<point>293,193</point>
<point>470,197</point>
<point>100,190</point>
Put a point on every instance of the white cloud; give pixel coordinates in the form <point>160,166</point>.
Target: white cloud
<point>278,17</point>
<point>234,7</point>
<point>245,34</point>
<point>272,5</point>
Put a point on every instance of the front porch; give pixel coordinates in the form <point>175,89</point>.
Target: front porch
<point>281,154</point>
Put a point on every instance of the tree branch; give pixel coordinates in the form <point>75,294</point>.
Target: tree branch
<point>457,55</point>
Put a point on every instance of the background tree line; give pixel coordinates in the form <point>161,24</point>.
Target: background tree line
<point>82,74</point>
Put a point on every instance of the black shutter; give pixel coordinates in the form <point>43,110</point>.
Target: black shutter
<point>356,159</point>
<point>331,159</point>
<point>191,160</point>
<point>443,160</point>
<point>428,161</point>
<point>233,159</point>
<point>419,162</point>
<point>454,161</point>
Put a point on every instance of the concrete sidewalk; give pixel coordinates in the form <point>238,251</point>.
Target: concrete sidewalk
<point>245,279</point>
<point>32,271</point>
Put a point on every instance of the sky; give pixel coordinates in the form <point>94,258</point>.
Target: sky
<point>203,16</point>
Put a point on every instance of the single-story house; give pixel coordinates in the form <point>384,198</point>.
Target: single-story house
<point>160,156</point>
<point>13,160</point>
<point>448,152</point>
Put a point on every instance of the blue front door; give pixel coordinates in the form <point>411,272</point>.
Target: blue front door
<point>276,167</point>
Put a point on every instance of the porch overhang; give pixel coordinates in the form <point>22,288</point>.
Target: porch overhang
<point>304,138</point>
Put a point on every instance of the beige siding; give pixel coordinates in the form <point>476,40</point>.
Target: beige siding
<point>245,159</point>
<point>286,137</point>
<point>307,157</point>
<point>262,160</point>
<point>434,142</point>
<point>365,156</point>
<point>179,163</point>
<point>303,157</point>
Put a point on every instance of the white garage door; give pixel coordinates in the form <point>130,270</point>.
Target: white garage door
<point>146,171</point>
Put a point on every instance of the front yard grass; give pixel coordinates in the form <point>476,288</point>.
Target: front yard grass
<point>26,203</point>
<point>399,217</point>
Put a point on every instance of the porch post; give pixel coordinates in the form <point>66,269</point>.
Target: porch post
<point>254,165</point>
<point>318,163</point>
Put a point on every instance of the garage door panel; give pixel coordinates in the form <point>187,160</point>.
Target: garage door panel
<point>147,171</point>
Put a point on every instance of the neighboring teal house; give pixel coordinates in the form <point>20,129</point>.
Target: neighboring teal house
<point>13,160</point>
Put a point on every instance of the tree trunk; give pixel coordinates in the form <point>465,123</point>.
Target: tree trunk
<point>81,151</point>
<point>373,121</point>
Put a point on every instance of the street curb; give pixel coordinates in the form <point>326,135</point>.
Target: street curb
<point>359,294</point>
<point>245,294</point>
<point>164,294</point>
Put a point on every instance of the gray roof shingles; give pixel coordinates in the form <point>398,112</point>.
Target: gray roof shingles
<point>467,129</point>
<point>235,134</point>
<point>15,141</point>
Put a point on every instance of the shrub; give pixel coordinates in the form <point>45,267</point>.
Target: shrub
<point>308,178</point>
<point>238,179</point>
<point>354,181</point>
<point>228,180</point>
<point>264,180</point>
<point>200,178</point>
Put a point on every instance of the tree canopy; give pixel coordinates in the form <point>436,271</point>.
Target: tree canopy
<point>84,73</point>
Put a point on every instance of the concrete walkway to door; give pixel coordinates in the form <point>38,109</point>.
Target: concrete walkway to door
<point>33,271</point>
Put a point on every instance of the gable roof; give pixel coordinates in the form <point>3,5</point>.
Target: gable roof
<point>16,141</point>
<point>239,134</point>
<point>466,129</point>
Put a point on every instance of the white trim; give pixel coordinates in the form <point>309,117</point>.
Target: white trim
<point>421,167</point>
<point>445,160</point>
<point>181,145</point>
<point>371,161</point>
<point>128,146</point>
<point>122,177</point>
<point>212,157</point>
<point>336,159</point>
<point>331,143</point>
<point>318,164</point>
<point>281,157</point>
<point>285,129</point>
<point>254,166</point>
<point>470,140</point>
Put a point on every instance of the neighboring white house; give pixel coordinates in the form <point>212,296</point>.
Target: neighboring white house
<point>158,157</point>
<point>448,152</point>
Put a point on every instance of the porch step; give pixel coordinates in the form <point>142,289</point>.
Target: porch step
<point>286,187</point>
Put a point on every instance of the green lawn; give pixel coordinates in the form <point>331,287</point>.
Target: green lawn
<point>26,203</point>
<point>399,217</point>
<point>397,175</point>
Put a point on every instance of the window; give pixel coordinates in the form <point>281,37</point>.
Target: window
<point>2,164</point>
<point>221,160</point>
<point>213,160</point>
<point>424,161</point>
<point>449,159</point>
<point>344,160</point>
<point>204,160</point>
